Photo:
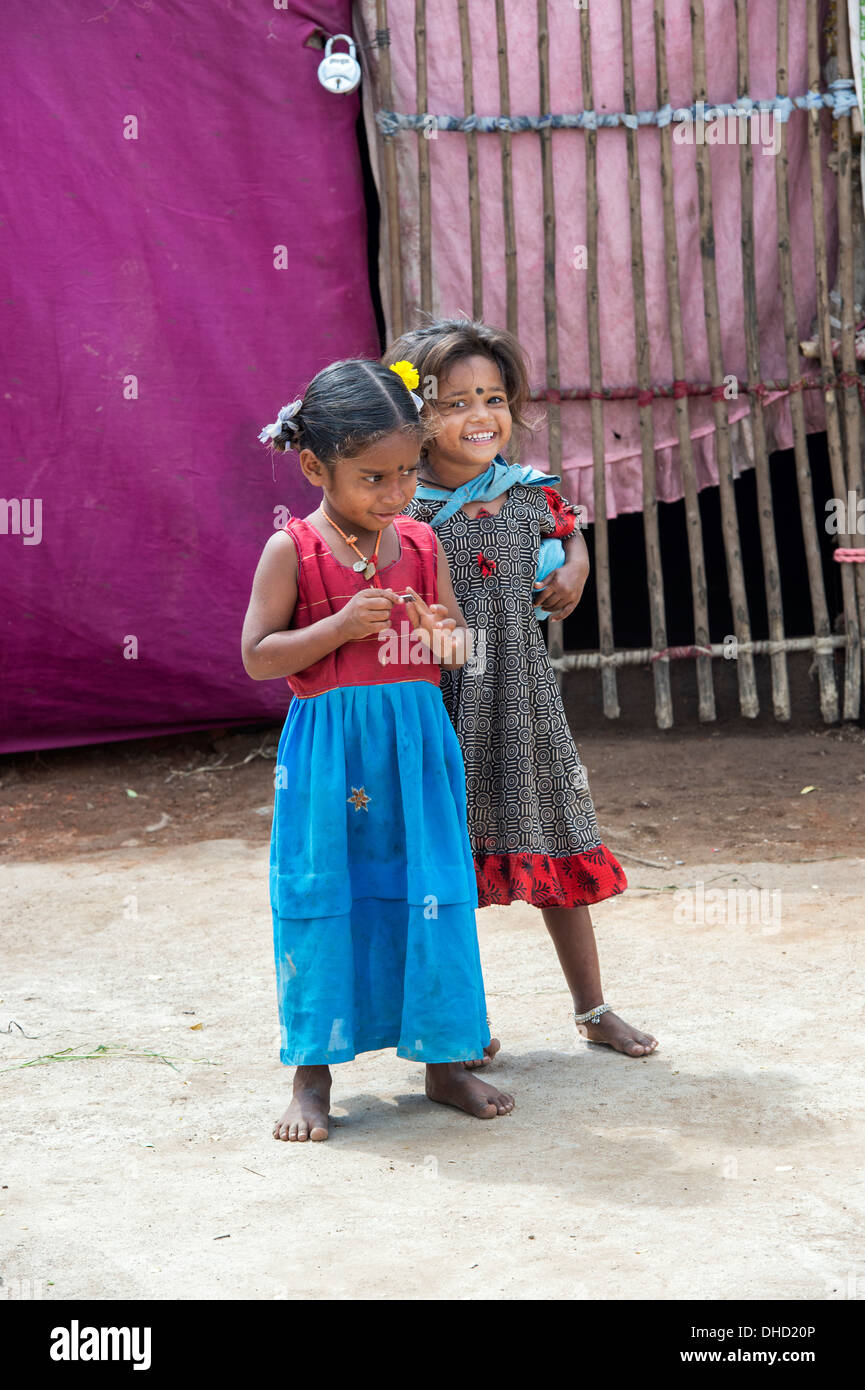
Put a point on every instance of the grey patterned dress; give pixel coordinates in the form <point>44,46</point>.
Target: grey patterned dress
<point>531,818</point>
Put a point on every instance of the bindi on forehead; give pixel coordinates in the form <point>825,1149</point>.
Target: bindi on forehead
<point>478,390</point>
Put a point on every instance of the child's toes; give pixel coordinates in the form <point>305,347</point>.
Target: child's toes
<point>483,1101</point>
<point>501,1103</point>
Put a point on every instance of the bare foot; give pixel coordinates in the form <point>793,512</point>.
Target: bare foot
<point>307,1115</point>
<point>449,1083</point>
<point>621,1036</point>
<point>492,1047</point>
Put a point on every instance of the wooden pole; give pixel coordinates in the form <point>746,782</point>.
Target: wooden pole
<point>853,619</point>
<point>639,656</point>
<point>397,321</point>
<point>609,684</point>
<point>852,409</point>
<point>507,173</point>
<point>554,413</point>
<point>705,686</point>
<point>771,573</point>
<point>654,570</point>
<point>423,159</point>
<point>813,561</point>
<point>748,702</point>
<point>472,149</point>
<point>555,633</point>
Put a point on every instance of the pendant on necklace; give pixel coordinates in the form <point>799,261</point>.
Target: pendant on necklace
<point>369,571</point>
<point>361,565</point>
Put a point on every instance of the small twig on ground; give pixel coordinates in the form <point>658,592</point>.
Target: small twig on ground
<point>626,854</point>
<point>103,1051</point>
<point>222,766</point>
<point>12,1024</point>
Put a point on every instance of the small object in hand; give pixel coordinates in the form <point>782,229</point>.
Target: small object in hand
<point>411,597</point>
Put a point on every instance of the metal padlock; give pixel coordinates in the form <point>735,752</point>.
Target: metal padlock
<point>339,72</point>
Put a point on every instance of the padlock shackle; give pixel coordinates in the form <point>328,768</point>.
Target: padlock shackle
<point>352,51</point>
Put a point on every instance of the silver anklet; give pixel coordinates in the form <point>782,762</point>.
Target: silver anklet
<point>593,1015</point>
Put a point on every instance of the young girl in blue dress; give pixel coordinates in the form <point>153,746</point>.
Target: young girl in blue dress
<point>371,880</point>
<point>516,554</point>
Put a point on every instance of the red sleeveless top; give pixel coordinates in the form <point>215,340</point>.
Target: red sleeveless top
<point>324,586</point>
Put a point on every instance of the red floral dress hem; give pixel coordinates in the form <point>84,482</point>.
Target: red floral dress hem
<point>575,880</point>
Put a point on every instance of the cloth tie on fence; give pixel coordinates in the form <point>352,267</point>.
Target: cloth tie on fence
<point>840,99</point>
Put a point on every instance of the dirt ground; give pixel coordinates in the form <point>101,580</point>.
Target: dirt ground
<point>138,980</point>
<point>663,795</point>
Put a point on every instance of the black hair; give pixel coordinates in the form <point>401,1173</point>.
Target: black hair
<point>348,407</point>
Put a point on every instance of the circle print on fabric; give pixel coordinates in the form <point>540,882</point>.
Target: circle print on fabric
<point>528,793</point>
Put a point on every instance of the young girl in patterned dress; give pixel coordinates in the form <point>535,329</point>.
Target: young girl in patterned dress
<point>532,823</point>
<point>371,878</point>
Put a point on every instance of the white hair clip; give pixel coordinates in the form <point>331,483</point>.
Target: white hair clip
<point>276,433</point>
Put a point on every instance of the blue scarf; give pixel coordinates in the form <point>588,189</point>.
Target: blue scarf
<point>498,478</point>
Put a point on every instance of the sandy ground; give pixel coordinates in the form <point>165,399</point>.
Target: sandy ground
<point>724,1166</point>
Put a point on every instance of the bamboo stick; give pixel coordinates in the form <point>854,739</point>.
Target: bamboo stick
<point>654,570</point>
<point>391,187</point>
<point>554,412</point>
<point>640,656</point>
<point>472,151</point>
<point>768,545</point>
<point>852,415</point>
<point>507,173</point>
<point>609,684</point>
<point>748,702</point>
<point>423,160</point>
<point>699,596</point>
<point>850,583</point>
<point>555,631</point>
<point>814,565</point>
<point>852,419</point>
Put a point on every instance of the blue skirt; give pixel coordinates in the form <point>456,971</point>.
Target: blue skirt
<point>372,881</point>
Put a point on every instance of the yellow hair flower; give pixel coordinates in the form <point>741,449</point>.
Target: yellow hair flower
<point>407,373</point>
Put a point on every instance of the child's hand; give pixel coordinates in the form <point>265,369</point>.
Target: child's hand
<point>367,613</point>
<point>433,626</point>
<point>561,591</point>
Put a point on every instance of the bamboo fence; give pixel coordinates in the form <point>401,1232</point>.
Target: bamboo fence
<point>839,381</point>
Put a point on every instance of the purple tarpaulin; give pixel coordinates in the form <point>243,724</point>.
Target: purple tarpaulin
<point>155,156</point>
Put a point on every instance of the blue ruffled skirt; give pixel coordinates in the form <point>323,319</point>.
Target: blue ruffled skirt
<point>372,882</point>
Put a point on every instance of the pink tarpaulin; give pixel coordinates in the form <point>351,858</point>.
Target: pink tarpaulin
<point>156,156</point>
<point>451,262</point>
